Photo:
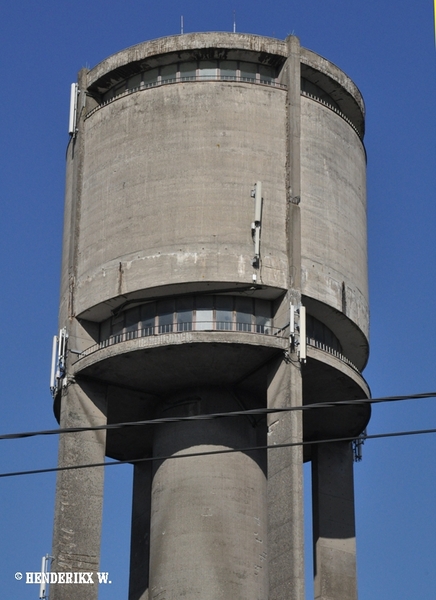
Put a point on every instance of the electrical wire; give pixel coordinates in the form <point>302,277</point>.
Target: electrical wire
<point>206,417</point>
<point>214,452</point>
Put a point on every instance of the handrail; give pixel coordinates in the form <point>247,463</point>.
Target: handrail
<point>209,326</point>
<point>321,346</point>
<point>191,78</point>
<point>199,326</point>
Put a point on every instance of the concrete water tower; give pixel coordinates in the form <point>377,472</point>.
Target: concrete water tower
<point>214,260</point>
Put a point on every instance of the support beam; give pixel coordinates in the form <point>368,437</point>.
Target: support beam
<point>79,493</point>
<point>285,485</point>
<point>208,525</point>
<point>140,536</point>
<point>333,522</point>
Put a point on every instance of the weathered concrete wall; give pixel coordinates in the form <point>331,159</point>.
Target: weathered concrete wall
<point>333,212</point>
<point>168,178</point>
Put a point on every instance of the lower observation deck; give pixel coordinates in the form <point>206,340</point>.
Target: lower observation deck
<point>141,368</point>
<point>211,352</point>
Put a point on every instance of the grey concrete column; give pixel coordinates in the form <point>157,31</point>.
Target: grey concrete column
<point>292,79</point>
<point>208,517</point>
<point>285,485</point>
<point>140,536</point>
<point>285,465</point>
<point>79,493</point>
<point>333,522</point>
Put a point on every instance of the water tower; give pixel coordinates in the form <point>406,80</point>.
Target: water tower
<point>214,260</point>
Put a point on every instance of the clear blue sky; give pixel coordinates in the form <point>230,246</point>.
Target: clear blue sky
<point>388,49</point>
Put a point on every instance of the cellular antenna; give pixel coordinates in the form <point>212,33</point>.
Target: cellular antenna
<point>181,25</point>
<point>234,21</point>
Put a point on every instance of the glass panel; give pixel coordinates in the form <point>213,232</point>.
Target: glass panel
<point>120,88</point>
<point>310,330</point>
<point>204,313</point>
<point>224,312</point>
<point>105,328</point>
<point>248,70</point>
<point>134,82</point>
<point>267,74</point>
<point>318,331</point>
<point>132,321</point>
<point>314,90</point>
<point>108,95</point>
<point>188,70</point>
<point>165,311</point>
<point>168,73</point>
<point>149,77</point>
<point>263,316</point>
<point>117,324</point>
<point>228,69</point>
<point>184,310</point>
<point>148,312</point>
<point>208,69</point>
<point>328,338</point>
<point>244,313</point>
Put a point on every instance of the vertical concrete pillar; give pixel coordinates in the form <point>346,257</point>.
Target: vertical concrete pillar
<point>208,515</point>
<point>285,465</point>
<point>79,493</point>
<point>285,485</point>
<point>333,522</point>
<point>140,536</point>
<point>292,79</point>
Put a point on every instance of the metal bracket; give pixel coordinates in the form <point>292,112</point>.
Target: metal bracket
<point>297,331</point>
<point>358,445</point>
<point>256,225</point>
<point>58,361</point>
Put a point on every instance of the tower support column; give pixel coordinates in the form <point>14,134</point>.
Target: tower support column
<point>79,493</point>
<point>334,539</point>
<point>208,517</point>
<point>285,484</point>
<point>140,536</point>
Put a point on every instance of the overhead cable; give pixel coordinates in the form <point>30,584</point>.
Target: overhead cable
<point>213,452</point>
<point>206,417</point>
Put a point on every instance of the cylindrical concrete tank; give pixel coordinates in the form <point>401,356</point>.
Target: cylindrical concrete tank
<point>177,280</point>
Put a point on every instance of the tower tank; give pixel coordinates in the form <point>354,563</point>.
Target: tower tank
<point>214,260</point>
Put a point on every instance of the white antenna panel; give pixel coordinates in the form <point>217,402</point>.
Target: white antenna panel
<point>303,342</point>
<point>73,109</point>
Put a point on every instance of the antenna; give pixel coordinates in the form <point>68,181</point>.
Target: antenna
<point>53,364</point>
<point>234,21</point>
<point>181,25</point>
<point>58,359</point>
<point>73,110</point>
<point>45,577</point>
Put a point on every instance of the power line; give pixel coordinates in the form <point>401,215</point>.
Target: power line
<point>206,417</point>
<point>213,452</point>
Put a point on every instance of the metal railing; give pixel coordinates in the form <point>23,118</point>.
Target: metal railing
<point>198,326</point>
<point>209,326</point>
<point>321,346</point>
<point>181,79</point>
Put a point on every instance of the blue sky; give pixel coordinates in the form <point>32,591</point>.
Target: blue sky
<point>388,49</point>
